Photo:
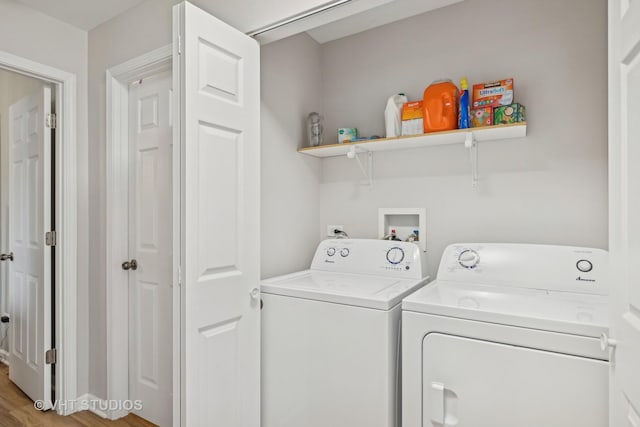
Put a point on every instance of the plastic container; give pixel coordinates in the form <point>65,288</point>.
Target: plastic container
<point>314,129</point>
<point>440,106</point>
<point>392,115</point>
<point>464,121</point>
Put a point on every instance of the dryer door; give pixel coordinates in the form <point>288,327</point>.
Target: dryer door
<point>474,383</point>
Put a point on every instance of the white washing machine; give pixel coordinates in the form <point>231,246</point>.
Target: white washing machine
<point>508,336</point>
<point>330,335</point>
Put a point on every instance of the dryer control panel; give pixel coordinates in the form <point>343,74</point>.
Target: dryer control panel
<point>369,256</point>
<point>547,267</point>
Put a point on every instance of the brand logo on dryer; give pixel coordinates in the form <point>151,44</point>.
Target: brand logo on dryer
<point>582,279</point>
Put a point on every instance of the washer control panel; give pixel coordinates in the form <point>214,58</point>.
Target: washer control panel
<point>561,268</point>
<point>364,256</point>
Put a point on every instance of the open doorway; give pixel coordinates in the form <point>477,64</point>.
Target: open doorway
<point>27,235</point>
<point>42,256</point>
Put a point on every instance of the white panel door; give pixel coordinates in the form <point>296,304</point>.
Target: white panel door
<point>474,383</point>
<point>150,244</point>
<point>216,80</point>
<point>624,213</point>
<point>29,218</point>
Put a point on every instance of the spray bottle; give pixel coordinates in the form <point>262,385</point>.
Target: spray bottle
<point>464,114</point>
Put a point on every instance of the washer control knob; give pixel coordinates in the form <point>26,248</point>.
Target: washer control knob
<point>395,255</point>
<point>584,265</point>
<point>469,258</point>
<point>344,252</point>
<point>331,251</point>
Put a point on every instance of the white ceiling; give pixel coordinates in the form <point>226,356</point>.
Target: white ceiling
<point>84,14</point>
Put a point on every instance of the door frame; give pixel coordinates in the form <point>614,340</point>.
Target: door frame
<point>66,220</point>
<point>117,215</point>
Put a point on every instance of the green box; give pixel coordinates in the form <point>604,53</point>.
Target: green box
<point>347,134</point>
<point>507,114</point>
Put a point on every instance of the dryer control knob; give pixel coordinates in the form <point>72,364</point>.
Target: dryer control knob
<point>331,251</point>
<point>584,265</point>
<point>469,258</point>
<point>344,252</point>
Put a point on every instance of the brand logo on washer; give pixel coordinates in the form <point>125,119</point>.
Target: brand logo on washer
<point>580,279</point>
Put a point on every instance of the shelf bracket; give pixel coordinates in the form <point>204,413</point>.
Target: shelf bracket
<point>368,172</point>
<point>471,144</point>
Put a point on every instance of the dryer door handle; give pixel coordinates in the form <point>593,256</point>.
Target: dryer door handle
<point>437,403</point>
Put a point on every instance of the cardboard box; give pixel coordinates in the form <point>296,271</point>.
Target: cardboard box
<point>481,117</point>
<point>347,134</point>
<point>412,118</point>
<point>507,114</point>
<point>493,94</point>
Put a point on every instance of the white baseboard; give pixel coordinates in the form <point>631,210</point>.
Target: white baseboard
<point>98,406</point>
<point>4,357</point>
<point>95,408</point>
<point>72,407</point>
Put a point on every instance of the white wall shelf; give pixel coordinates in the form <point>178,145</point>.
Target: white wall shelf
<point>459,136</point>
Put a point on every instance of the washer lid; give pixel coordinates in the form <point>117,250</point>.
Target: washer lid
<point>361,290</point>
<point>566,312</point>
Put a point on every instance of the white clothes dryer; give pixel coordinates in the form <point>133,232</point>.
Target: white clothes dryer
<point>508,336</point>
<point>330,335</point>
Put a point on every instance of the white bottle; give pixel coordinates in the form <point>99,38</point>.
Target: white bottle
<point>392,115</point>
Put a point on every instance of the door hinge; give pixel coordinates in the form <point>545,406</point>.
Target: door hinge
<point>51,238</point>
<point>179,45</point>
<point>51,120</point>
<point>51,356</point>
<point>179,275</point>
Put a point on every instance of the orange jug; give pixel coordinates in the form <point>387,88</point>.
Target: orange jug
<point>440,106</point>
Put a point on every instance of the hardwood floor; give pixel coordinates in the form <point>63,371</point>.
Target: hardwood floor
<point>16,409</point>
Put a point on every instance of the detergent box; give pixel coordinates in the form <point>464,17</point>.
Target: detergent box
<point>507,114</point>
<point>412,118</point>
<point>482,116</point>
<point>493,94</point>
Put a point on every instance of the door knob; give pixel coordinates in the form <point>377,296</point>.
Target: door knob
<point>5,257</point>
<point>606,342</point>
<point>130,265</point>
<point>255,293</point>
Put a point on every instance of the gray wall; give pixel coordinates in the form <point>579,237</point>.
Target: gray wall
<point>291,89</point>
<point>37,37</point>
<point>550,187</point>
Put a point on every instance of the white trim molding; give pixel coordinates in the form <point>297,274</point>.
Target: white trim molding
<point>118,80</point>
<point>4,357</point>
<point>93,404</point>
<point>66,212</point>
